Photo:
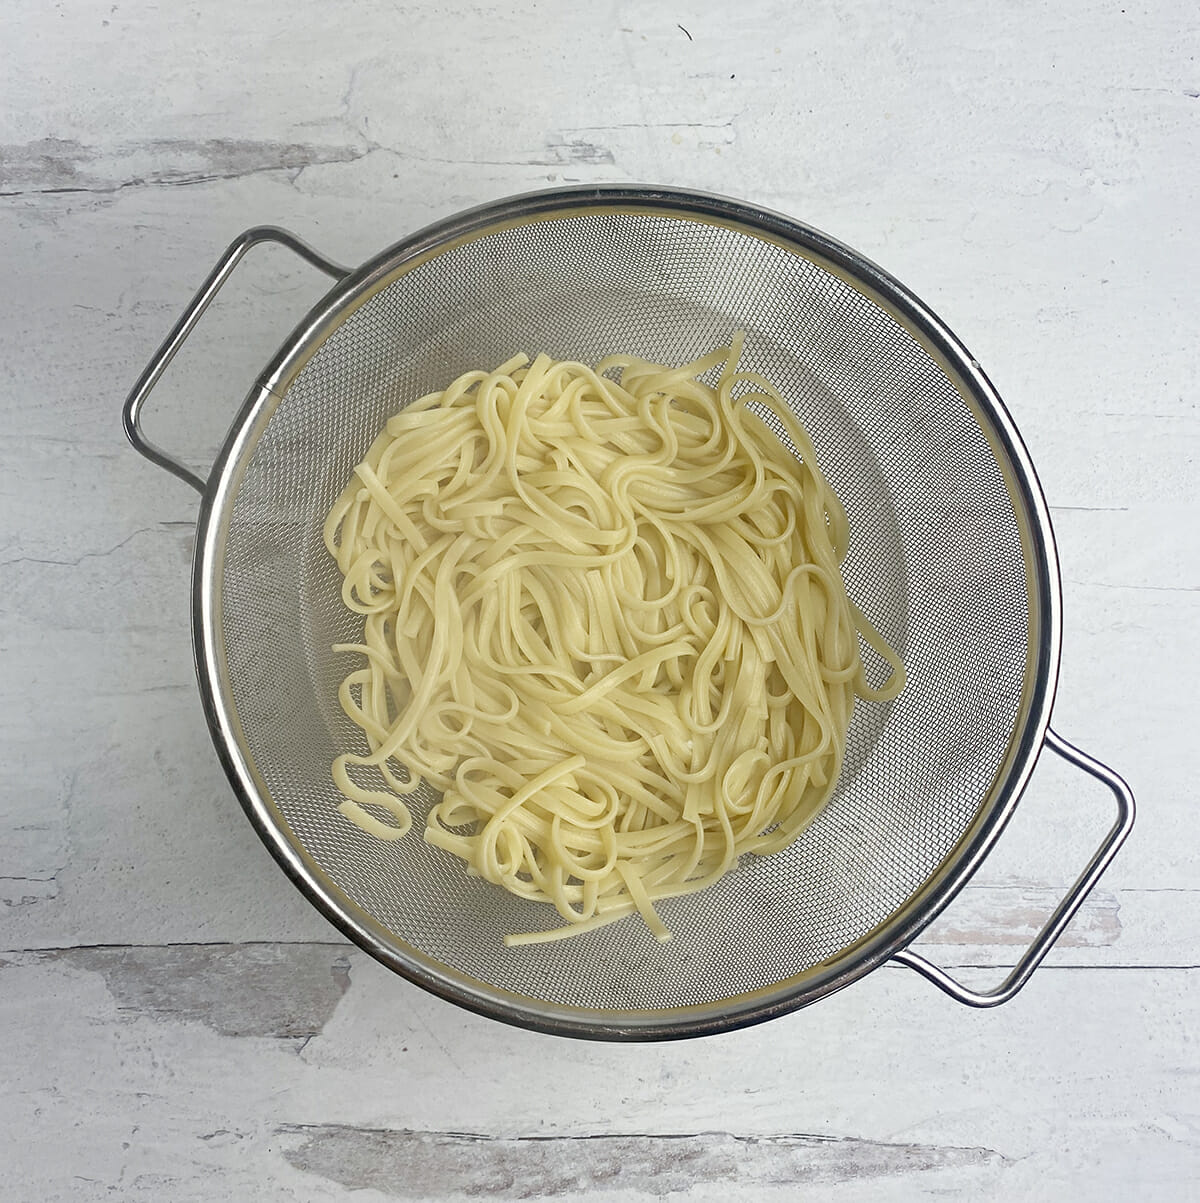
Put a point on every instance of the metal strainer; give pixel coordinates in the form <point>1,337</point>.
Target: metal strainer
<point>952,557</point>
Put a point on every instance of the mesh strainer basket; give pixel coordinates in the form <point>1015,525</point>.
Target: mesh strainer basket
<point>952,558</point>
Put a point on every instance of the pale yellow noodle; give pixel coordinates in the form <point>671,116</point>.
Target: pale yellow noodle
<point>604,615</point>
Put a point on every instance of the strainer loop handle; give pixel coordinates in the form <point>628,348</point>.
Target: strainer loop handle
<point>131,415</point>
<point>1032,957</point>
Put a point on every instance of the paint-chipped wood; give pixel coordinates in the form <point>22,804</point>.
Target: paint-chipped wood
<point>423,1165</point>
<point>63,166</point>
<point>177,1022</point>
<point>275,990</point>
<point>1014,915</point>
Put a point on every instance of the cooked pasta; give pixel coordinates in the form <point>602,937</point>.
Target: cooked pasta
<point>603,616</point>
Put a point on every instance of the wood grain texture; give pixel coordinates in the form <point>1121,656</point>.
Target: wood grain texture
<point>178,1023</point>
<point>421,1165</point>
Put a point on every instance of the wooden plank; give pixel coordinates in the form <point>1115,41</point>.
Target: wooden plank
<point>312,1071</point>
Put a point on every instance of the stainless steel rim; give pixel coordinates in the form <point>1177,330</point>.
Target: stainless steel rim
<point>880,945</point>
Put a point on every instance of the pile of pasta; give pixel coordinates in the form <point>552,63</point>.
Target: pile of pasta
<point>604,618</point>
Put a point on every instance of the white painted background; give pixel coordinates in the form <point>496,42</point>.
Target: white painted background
<point>175,1022</point>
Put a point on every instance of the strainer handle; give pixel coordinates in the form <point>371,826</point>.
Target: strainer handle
<point>132,413</point>
<point>1063,913</point>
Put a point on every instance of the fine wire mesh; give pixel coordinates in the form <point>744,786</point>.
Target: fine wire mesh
<point>935,562</point>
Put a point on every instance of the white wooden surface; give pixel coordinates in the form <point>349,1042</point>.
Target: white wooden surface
<point>175,1022</point>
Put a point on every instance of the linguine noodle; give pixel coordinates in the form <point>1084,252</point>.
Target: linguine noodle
<point>604,616</point>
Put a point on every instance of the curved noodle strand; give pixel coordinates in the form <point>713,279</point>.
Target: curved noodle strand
<point>606,618</point>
